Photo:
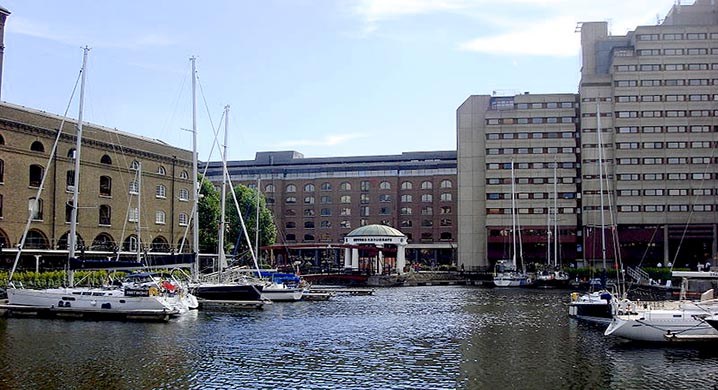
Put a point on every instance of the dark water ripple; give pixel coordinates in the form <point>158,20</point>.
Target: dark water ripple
<point>407,338</point>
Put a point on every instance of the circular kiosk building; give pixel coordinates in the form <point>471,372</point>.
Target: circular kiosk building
<point>375,250</point>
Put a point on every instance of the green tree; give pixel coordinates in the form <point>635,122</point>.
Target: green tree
<point>209,214</point>
<point>247,199</point>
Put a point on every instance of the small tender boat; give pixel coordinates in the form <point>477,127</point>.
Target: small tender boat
<point>596,307</point>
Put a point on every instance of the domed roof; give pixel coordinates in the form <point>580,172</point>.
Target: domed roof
<point>375,230</point>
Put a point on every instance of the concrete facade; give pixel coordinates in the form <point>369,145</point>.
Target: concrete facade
<point>653,93</point>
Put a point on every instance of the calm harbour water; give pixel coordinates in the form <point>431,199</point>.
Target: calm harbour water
<point>403,338</point>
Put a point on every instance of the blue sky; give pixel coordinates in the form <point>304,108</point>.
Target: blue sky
<point>325,78</point>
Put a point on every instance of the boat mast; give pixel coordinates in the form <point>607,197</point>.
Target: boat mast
<point>222,222</point>
<point>139,214</point>
<point>513,215</point>
<point>555,214</point>
<point>72,237</point>
<point>195,212</point>
<point>256,230</point>
<point>600,180</point>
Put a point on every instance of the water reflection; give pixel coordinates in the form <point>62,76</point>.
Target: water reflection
<point>406,338</point>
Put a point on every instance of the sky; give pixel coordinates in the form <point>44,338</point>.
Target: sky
<point>324,78</point>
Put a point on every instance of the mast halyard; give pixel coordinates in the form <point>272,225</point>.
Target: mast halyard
<point>513,215</point>
<point>72,236</point>
<point>195,212</point>
<point>600,180</point>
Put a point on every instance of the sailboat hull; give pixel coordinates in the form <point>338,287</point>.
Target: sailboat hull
<point>227,292</point>
<point>660,325</point>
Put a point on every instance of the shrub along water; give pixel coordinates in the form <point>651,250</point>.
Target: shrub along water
<point>54,279</point>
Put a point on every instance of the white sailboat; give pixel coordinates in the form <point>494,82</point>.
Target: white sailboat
<point>552,276</point>
<point>506,274</point>
<point>127,301</point>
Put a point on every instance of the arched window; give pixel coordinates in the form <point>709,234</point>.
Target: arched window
<point>103,242</point>
<point>62,241</point>
<point>161,170</point>
<point>345,186</point>
<point>35,207</point>
<point>270,201</point>
<point>2,171</point>
<point>427,237</point>
<point>308,200</point>
<point>107,160</point>
<point>406,198</point>
<point>345,199</point>
<point>291,200</point>
<point>325,224</point>
<point>426,185</point>
<point>445,236</point>
<point>427,198</point>
<point>160,244</point>
<point>427,210</point>
<point>446,197</point>
<point>406,223</point>
<point>160,217</point>
<point>134,187</point>
<point>291,188</point>
<point>385,185</point>
<point>183,219</point>
<point>105,216</point>
<point>309,188</point>
<point>37,146</point>
<point>35,175</point>
<point>35,239</point>
<point>405,211</point>
<point>68,211</point>
<point>309,224</point>
<point>291,237</point>
<point>183,194</point>
<point>407,185</point>
<point>161,191</point>
<point>269,188</point>
<point>309,237</point>
<point>326,187</point>
<point>135,165</point>
<point>105,186</point>
<point>71,153</point>
<point>446,184</point>
<point>325,212</point>
<point>2,140</point>
<point>131,244</point>
<point>308,212</point>
<point>290,225</point>
<point>184,175</point>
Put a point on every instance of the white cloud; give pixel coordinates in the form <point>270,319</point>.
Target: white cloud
<point>529,27</point>
<point>329,140</point>
<point>550,38</point>
<point>65,35</point>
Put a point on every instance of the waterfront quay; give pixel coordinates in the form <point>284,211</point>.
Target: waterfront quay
<point>426,337</point>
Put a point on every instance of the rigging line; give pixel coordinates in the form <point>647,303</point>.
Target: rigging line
<point>215,130</point>
<point>53,151</point>
<point>183,83</point>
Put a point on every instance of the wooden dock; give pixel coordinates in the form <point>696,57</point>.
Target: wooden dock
<point>343,290</point>
<point>209,304</point>
<point>86,314</point>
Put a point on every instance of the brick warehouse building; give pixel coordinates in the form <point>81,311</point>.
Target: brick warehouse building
<point>656,90</point>
<point>316,202</point>
<point>108,208</point>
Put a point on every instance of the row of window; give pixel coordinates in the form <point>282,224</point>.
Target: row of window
<point>664,176</point>
<point>667,67</point>
<point>38,146</point>
<point>535,210</point>
<point>536,165</point>
<point>696,51</point>
<point>666,83</point>
<point>669,192</point>
<point>551,150</point>
<point>676,36</point>
<point>536,135</point>
<point>528,180</point>
<point>666,113</point>
<point>549,105</point>
<point>36,207</point>
<point>666,160</point>
<point>530,195</point>
<point>426,236</point>
<point>533,121</point>
<point>667,145</point>
<point>659,208</point>
<point>666,98</point>
<point>364,198</point>
<point>363,186</point>
<point>444,222</point>
<point>665,129</point>
<point>345,211</point>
